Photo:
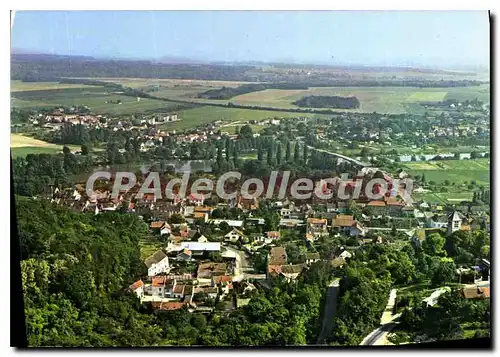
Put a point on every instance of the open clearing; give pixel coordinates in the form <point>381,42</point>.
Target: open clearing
<point>379,99</point>
<point>457,171</point>
<point>18,140</point>
<point>23,145</point>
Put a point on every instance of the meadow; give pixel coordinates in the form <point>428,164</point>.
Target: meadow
<point>378,99</point>
<point>372,99</point>
<point>20,86</point>
<point>97,98</point>
<point>457,171</point>
<point>22,145</point>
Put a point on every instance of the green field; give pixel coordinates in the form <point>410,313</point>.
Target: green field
<point>456,171</point>
<point>379,99</point>
<point>20,86</point>
<point>444,197</point>
<point>94,97</point>
<point>23,151</point>
<point>197,116</point>
<point>22,145</point>
<point>482,93</point>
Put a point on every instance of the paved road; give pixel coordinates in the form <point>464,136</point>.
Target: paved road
<point>242,263</point>
<point>346,158</point>
<point>329,311</point>
<point>377,336</point>
<point>386,323</point>
<point>432,299</point>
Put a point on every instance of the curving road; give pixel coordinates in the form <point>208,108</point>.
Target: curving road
<point>343,157</point>
<point>386,323</point>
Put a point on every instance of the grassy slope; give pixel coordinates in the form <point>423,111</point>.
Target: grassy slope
<point>23,145</point>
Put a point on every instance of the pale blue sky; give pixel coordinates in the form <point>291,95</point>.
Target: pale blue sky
<point>426,38</point>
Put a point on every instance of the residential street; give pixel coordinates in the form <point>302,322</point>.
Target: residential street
<point>329,311</point>
<point>242,263</point>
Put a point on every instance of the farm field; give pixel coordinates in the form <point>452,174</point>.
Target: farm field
<point>482,93</point>
<point>144,82</point>
<point>196,116</point>
<point>20,86</point>
<point>23,145</point>
<point>457,171</point>
<point>93,97</point>
<point>379,99</point>
<point>444,197</point>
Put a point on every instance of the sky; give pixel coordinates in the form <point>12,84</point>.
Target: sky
<point>441,39</point>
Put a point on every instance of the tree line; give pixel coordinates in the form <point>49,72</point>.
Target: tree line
<point>323,101</point>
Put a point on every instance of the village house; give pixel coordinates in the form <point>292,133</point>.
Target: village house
<point>292,272</point>
<point>476,292</point>
<point>378,207</point>
<point>185,255</point>
<point>454,221</point>
<point>312,258</point>
<point>230,222</point>
<point>317,226</point>
<point>348,225</point>
<point>138,288</point>
<point>156,226</point>
<point>158,286</point>
<point>157,263</point>
<point>272,236</point>
<point>208,270</point>
<point>234,236</point>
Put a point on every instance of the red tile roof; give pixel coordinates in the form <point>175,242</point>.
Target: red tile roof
<point>172,305</point>
<point>222,279</point>
<point>136,285</point>
<point>317,220</point>
<point>273,234</point>
<point>158,224</point>
<point>274,269</point>
<point>159,280</point>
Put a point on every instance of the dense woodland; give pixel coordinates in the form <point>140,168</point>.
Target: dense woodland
<point>74,269</point>
<point>43,67</point>
<point>30,67</point>
<point>230,92</point>
<point>323,101</point>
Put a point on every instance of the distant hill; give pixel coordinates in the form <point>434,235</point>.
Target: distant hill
<point>48,67</point>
